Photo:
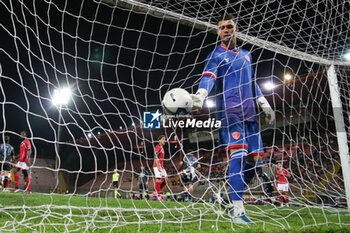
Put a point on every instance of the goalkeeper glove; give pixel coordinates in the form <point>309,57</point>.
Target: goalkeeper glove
<point>265,106</point>
<point>198,98</point>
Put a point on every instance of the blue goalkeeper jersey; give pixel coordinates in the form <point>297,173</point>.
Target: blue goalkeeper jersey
<point>231,72</point>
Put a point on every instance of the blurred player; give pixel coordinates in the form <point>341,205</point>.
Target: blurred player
<point>6,154</point>
<point>116,183</point>
<point>268,186</point>
<point>282,176</point>
<point>158,168</point>
<point>25,151</point>
<point>143,183</point>
<point>229,69</point>
<point>190,163</point>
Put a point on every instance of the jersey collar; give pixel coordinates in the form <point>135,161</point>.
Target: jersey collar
<point>234,51</point>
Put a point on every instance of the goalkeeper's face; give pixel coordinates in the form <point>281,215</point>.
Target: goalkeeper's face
<point>227,31</point>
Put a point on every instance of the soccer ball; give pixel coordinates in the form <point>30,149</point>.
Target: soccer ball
<point>177,101</point>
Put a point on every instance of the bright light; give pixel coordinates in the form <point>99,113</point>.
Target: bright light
<point>210,103</point>
<point>61,96</point>
<point>287,77</point>
<point>269,85</point>
<point>89,135</point>
<point>120,127</point>
<point>347,56</point>
<point>133,124</point>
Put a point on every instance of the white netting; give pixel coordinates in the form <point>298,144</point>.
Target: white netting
<point>119,58</point>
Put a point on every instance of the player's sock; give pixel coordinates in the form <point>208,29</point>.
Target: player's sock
<point>281,199</point>
<point>16,180</point>
<point>287,199</point>
<point>27,184</point>
<point>6,179</point>
<point>251,169</point>
<point>115,194</point>
<point>238,208</point>
<point>8,183</point>
<point>162,184</point>
<point>158,185</point>
<point>236,174</point>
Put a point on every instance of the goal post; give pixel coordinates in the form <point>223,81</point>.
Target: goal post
<point>342,134</point>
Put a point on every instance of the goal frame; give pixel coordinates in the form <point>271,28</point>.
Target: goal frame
<point>144,8</point>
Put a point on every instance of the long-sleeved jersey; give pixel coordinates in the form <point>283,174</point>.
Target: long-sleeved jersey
<point>231,72</point>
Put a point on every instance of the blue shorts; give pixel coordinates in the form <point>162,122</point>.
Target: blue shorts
<point>240,134</point>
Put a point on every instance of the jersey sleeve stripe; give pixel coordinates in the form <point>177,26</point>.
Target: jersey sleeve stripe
<point>243,146</point>
<point>257,153</point>
<point>209,74</point>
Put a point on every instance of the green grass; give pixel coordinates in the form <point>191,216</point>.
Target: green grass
<point>57,213</point>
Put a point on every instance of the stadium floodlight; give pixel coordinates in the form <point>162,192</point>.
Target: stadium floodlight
<point>287,77</point>
<point>269,85</point>
<point>61,96</point>
<point>347,56</point>
<point>210,103</point>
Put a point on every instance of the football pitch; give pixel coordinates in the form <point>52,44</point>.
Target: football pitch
<point>65,213</point>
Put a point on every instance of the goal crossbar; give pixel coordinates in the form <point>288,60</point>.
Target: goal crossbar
<point>141,7</point>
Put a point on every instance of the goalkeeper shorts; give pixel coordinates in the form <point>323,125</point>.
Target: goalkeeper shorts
<point>235,134</point>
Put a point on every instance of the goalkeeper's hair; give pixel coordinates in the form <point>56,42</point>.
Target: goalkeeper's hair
<point>160,137</point>
<point>225,16</point>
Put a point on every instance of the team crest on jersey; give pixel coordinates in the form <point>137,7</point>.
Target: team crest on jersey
<point>247,57</point>
<point>236,135</point>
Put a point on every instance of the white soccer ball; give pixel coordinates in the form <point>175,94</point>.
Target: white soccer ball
<point>177,101</point>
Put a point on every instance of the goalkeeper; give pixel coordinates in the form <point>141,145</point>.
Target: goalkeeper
<point>229,69</point>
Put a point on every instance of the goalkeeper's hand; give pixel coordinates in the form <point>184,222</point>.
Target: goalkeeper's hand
<point>265,106</point>
<point>198,98</point>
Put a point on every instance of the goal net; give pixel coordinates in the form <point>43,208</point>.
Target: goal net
<point>81,77</point>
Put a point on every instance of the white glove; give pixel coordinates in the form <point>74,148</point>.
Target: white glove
<point>265,106</point>
<point>198,98</point>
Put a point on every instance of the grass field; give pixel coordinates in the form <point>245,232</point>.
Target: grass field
<point>57,213</point>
